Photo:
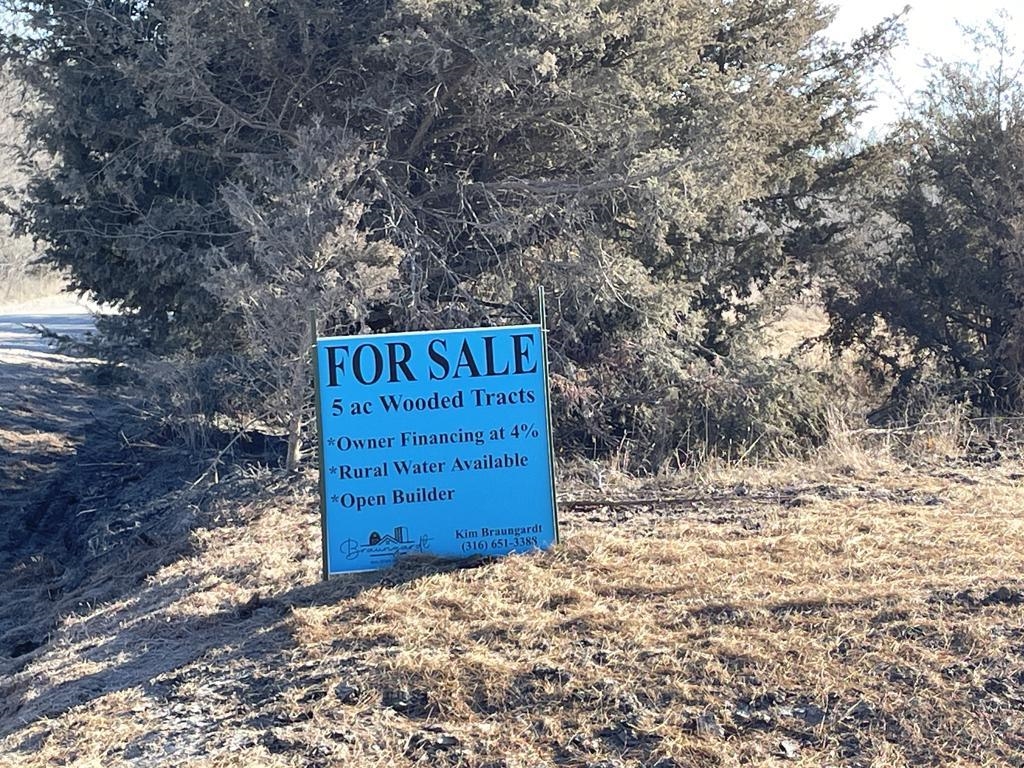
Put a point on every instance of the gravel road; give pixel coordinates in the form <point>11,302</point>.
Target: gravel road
<point>19,340</point>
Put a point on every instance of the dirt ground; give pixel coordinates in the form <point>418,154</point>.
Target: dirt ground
<point>862,608</point>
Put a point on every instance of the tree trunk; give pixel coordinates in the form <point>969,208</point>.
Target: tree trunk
<point>294,456</point>
<point>297,398</point>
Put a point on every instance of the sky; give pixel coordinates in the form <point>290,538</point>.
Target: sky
<point>931,32</point>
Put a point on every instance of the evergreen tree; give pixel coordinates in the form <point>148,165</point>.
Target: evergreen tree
<point>946,278</point>
<point>666,169</point>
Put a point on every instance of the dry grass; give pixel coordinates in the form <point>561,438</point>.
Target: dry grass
<point>802,322</point>
<point>855,611</point>
<point>21,282</point>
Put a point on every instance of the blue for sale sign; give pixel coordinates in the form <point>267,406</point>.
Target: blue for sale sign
<point>435,443</point>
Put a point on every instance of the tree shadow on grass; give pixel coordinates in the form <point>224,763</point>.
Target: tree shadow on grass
<point>73,504</point>
<point>142,646</point>
<point>92,501</point>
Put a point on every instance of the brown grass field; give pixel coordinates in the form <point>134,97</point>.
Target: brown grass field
<point>864,607</point>
<point>850,611</point>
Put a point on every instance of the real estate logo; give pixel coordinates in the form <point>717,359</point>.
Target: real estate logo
<point>388,545</point>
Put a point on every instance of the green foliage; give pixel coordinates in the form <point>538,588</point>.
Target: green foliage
<point>941,292</point>
<point>661,167</point>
